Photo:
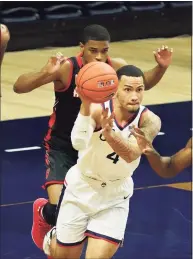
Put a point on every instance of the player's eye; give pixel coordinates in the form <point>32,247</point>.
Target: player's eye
<point>93,50</point>
<point>105,51</point>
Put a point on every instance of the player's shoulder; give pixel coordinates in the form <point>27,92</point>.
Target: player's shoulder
<point>66,68</point>
<point>66,64</point>
<point>118,63</point>
<point>149,117</point>
<point>189,143</point>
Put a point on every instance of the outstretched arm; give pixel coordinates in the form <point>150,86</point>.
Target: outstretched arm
<point>165,167</point>
<point>50,72</point>
<point>163,57</point>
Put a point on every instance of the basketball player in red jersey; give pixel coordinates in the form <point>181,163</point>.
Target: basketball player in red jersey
<point>60,156</point>
<point>165,167</point>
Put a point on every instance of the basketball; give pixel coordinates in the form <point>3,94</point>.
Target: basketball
<point>97,82</point>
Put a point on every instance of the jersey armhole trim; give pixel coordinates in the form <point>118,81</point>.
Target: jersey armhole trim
<point>144,110</point>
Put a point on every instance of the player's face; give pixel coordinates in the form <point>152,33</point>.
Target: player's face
<point>95,51</point>
<point>130,93</point>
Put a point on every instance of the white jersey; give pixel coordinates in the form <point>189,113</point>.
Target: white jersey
<point>100,162</point>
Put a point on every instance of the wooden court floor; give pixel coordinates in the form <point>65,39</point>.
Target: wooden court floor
<point>174,87</point>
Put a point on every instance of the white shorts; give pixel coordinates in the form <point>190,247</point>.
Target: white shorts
<point>91,208</point>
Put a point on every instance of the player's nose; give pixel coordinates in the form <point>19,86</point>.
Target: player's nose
<point>98,57</point>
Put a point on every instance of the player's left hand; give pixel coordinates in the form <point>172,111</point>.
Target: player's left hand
<point>163,56</point>
<point>106,121</point>
<point>143,143</point>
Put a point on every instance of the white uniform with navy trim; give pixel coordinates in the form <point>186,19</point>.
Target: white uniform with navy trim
<point>98,188</point>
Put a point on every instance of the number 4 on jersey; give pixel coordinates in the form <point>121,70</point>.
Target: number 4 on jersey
<point>113,156</point>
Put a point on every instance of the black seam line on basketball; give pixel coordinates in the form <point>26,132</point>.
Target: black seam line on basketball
<point>105,90</point>
<point>99,80</point>
<point>86,70</point>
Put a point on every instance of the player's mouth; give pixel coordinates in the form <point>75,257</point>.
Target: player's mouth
<point>133,104</point>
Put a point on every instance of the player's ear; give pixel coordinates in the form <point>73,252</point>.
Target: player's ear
<point>81,46</point>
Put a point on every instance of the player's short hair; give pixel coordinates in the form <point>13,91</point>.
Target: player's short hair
<point>129,70</point>
<point>95,32</point>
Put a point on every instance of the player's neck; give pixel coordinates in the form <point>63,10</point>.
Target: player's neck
<point>122,115</point>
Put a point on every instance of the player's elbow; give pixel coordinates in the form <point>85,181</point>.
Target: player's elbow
<point>166,173</point>
<point>17,89</point>
<point>79,144</point>
<point>21,88</point>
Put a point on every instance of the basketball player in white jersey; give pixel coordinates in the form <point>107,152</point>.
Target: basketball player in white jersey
<point>99,187</point>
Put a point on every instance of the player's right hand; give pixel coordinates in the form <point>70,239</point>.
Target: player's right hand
<point>54,63</point>
<point>85,101</point>
<point>106,121</point>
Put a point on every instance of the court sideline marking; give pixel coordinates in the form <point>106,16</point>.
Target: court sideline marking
<point>187,186</point>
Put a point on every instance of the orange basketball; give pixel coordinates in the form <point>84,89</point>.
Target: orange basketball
<point>97,81</point>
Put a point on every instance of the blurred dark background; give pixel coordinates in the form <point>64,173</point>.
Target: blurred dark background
<point>59,23</point>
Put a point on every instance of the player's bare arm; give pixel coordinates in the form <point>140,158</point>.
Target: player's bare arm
<point>129,149</point>
<point>163,57</point>
<point>166,167</point>
<point>56,70</point>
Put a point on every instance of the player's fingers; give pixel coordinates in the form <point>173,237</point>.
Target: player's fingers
<point>138,136</point>
<point>156,54</point>
<point>52,60</point>
<point>158,50</point>
<point>164,47</point>
<point>105,113</point>
<point>111,123</point>
<point>59,53</point>
<point>111,116</point>
<point>139,131</point>
<point>108,127</point>
<point>63,59</point>
<point>147,151</point>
